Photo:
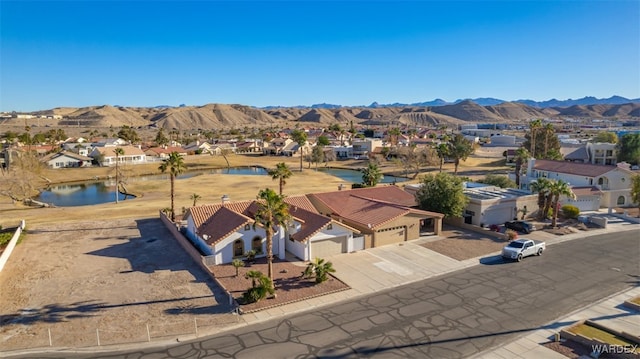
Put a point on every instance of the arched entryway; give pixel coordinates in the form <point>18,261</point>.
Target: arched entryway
<point>238,248</point>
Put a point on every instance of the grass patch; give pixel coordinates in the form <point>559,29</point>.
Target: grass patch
<point>5,238</point>
<point>602,335</point>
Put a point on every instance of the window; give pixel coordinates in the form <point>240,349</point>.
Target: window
<point>256,244</point>
<point>620,200</point>
<point>600,181</point>
<point>238,248</point>
<point>247,227</point>
<point>330,226</point>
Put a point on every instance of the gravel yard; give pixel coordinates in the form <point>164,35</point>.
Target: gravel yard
<point>115,276</point>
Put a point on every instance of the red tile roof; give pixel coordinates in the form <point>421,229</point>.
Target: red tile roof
<point>573,168</point>
<point>587,191</point>
<point>221,224</point>
<point>218,221</point>
<point>371,207</point>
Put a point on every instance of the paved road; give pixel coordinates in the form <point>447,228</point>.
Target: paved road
<point>451,316</point>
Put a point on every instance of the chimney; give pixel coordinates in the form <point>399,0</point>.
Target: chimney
<point>225,199</point>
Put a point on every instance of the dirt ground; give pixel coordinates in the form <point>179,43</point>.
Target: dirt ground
<point>117,276</point>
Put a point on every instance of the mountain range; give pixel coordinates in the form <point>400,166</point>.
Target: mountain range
<point>433,113</point>
<point>489,101</point>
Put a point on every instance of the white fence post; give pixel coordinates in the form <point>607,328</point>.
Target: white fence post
<point>98,336</point>
<point>148,333</point>
<point>50,341</point>
<point>195,322</point>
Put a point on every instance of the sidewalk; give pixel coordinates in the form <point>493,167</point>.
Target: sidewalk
<point>607,312</point>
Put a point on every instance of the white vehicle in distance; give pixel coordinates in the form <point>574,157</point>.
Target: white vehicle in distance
<point>521,248</point>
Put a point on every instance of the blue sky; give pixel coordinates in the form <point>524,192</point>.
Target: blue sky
<point>148,53</point>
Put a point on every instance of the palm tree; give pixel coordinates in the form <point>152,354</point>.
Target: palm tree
<point>443,152</point>
<point>541,186</point>
<point>559,188</point>
<point>534,126</point>
<point>459,149</point>
<point>260,286</point>
<point>195,197</point>
<point>522,157</point>
<point>272,211</point>
<point>371,175</point>
<point>175,165</point>
<point>282,172</point>
<point>299,137</point>
<point>319,269</point>
<point>548,131</point>
<point>119,152</point>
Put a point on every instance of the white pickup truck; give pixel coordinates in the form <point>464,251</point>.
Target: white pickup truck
<point>521,248</point>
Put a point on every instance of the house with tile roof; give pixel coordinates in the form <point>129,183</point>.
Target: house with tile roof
<point>66,159</point>
<point>164,151</point>
<point>613,182</point>
<point>228,230</point>
<point>107,155</point>
<point>384,215</point>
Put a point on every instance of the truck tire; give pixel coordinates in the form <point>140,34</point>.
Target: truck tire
<point>539,252</point>
<point>519,257</point>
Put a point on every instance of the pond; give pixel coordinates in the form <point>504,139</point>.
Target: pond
<point>97,192</point>
<point>355,176</point>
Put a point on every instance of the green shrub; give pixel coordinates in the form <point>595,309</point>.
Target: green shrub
<point>570,211</point>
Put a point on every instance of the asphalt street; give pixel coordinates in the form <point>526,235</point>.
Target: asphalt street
<point>451,316</point>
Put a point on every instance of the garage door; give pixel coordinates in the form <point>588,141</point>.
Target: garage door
<point>328,247</point>
<point>390,236</point>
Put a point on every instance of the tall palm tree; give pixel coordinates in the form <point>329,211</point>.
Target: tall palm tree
<point>282,172</point>
<point>371,175</point>
<point>175,165</point>
<point>443,152</point>
<point>119,152</point>
<point>300,137</point>
<point>541,186</point>
<point>459,149</point>
<point>272,211</point>
<point>559,188</point>
<point>548,132</point>
<point>522,157</point>
<point>534,126</point>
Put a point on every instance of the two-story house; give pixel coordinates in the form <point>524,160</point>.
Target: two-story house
<point>614,182</point>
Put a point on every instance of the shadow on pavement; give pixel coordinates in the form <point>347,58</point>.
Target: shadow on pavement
<point>494,260</point>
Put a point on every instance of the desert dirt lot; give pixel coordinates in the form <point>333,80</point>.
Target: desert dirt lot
<point>116,276</point>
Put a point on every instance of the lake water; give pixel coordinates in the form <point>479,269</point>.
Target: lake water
<point>355,176</point>
<point>87,193</point>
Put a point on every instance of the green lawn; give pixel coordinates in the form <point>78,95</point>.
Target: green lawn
<point>5,238</point>
<point>604,336</point>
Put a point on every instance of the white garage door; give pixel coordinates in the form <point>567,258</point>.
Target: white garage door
<point>328,247</point>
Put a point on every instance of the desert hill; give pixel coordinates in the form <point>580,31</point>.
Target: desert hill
<point>227,116</point>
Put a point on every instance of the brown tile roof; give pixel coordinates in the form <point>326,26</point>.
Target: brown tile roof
<point>573,168</point>
<point>301,202</point>
<point>221,224</point>
<point>218,221</point>
<point>312,223</point>
<point>587,191</point>
<point>374,206</point>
